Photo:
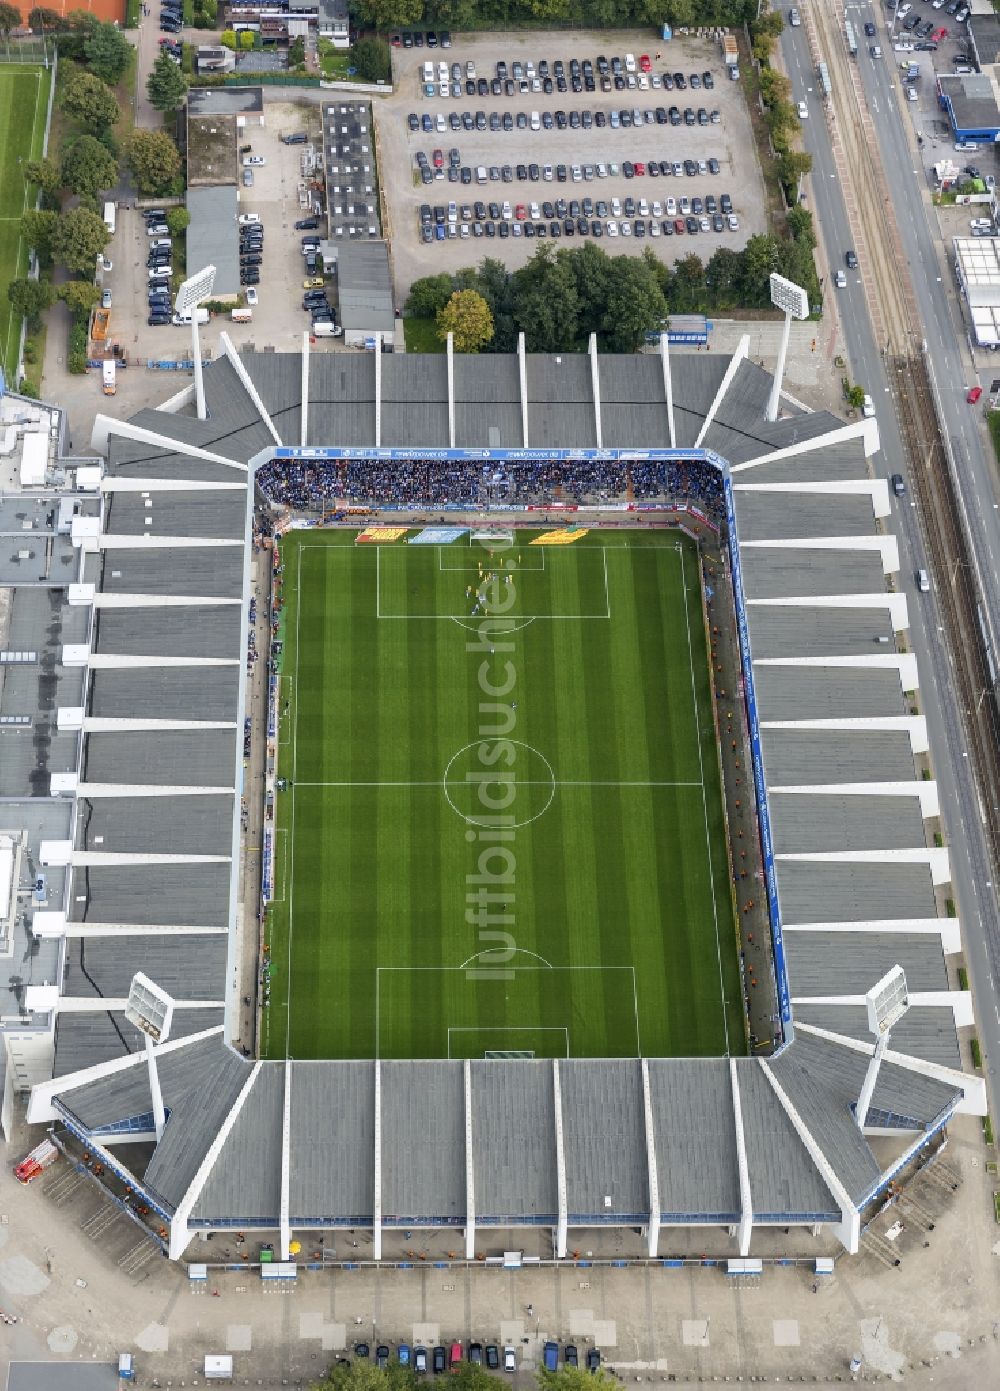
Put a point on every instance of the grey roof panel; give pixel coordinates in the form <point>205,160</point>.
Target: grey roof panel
<point>793,630</point>
<point>800,758</point>
<point>695,380</point>
<point>827,693</point>
<point>168,757</point>
<point>801,516</point>
<point>772,572</point>
<point>165,693</point>
<point>514,1140</point>
<point>423,1166</point>
<point>784,1181</point>
<point>210,572</point>
<point>696,1161</point>
<point>604,1137</point>
<point>850,963</point>
<point>816,892</point>
<point>804,822</point>
<point>245,1180</point>
<point>83,1040</point>
<point>331,1176</point>
<point>146,825</point>
<point>169,632</point>
<point>189,895</point>
<point>925,1031</point>
<point>278,379</point>
<point>835,462</point>
<point>200,513</point>
<point>189,968</point>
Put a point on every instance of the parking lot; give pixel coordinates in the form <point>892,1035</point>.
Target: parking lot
<point>569,155</point>
<point>279,319</point>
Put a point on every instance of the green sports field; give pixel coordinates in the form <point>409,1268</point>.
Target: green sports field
<point>24,95</point>
<point>516,850</point>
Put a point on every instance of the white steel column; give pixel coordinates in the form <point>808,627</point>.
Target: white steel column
<point>236,362</point>
<point>285,1232</point>
<point>668,388</point>
<point>378,390</point>
<point>470,1167</point>
<point>654,1177</point>
<point>779,370</point>
<point>522,372</point>
<point>450,351</point>
<point>304,431</point>
<point>595,381</point>
<point>563,1218</point>
<point>746,1201</point>
<point>159,1115</point>
<point>377,1197</point>
<point>199,383</point>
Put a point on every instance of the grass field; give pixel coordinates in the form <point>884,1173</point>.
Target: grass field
<point>617,935</point>
<point>24,96</point>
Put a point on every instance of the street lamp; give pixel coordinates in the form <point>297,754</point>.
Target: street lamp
<point>196,288</point>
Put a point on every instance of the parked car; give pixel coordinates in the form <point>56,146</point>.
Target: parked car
<point>439,1357</point>
<point>420,1360</point>
<point>509,1359</point>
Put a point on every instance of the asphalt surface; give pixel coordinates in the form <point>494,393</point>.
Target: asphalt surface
<point>962,811</point>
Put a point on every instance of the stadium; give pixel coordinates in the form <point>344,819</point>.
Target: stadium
<point>619,1063</point>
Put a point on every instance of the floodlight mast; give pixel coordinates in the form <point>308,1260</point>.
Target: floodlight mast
<point>151,1010</point>
<point>792,298</point>
<point>196,288</point>
<point>887,1002</point>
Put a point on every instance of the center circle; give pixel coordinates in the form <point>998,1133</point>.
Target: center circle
<point>494,778</point>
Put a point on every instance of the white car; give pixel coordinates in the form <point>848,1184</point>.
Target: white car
<point>246,218</point>
<point>911,93</point>
<point>161,242</point>
<point>161,273</point>
<point>440,123</point>
<point>654,228</point>
<point>626,227</point>
<point>840,279</point>
<point>156,229</point>
<point>875,51</point>
<point>794,18</point>
<point>630,62</point>
<point>509,1359</point>
<point>868,407</point>
<point>536,121</point>
<point>576,173</point>
<point>671,206</point>
<point>734,223</point>
<point>803,111</point>
<point>252,161</point>
<point>612,229</point>
<point>251,296</point>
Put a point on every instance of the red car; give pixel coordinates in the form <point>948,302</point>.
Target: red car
<point>639,168</point>
<point>974,394</point>
<point>644,64</point>
<point>438,158</point>
<point>679,226</point>
<point>520,212</point>
<point>455,1356</point>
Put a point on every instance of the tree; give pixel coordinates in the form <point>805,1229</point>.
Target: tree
<point>228,39</point>
<point>45,173</point>
<point>687,285</point>
<point>79,296</point>
<point>107,51</point>
<point>178,221</point>
<point>467,318</point>
<point>78,239</point>
<point>10,18</point>
<point>372,60</point>
<point>389,14</point>
<point>723,273</point>
<point>429,295</point>
<point>90,101</point>
<point>774,86</point>
<point>30,297</point>
<point>761,256</point>
<point>297,52</point>
<point>246,39</point>
<point>154,160</point>
<point>41,19</point>
<point>593,271</point>
<point>793,166</point>
<point>635,305</point>
<point>88,167</point>
<point>38,229</point>
<point>166,84</point>
<point>546,303</point>
<point>574,1379</point>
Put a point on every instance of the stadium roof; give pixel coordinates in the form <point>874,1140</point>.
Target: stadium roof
<point>622,1142</point>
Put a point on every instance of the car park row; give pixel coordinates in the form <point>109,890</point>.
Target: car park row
<point>613,217</point>
<point>457,172</point>
<point>490,1355</point>
<point>523,78</point>
<point>614,119</point>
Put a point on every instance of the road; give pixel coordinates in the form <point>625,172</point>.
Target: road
<point>961,808</point>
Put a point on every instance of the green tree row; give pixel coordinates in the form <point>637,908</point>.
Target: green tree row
<point>363,1375</point>
<point>463,15</point>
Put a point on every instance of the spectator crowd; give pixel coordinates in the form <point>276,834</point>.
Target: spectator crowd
<point>316,485</point>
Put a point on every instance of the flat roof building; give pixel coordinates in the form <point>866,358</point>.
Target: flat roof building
<point>213,236</point>
<point>365,288</point>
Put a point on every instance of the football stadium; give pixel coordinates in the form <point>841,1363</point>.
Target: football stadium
<point>542,737</point>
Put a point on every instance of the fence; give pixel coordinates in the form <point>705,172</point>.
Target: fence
<point>33,51</point>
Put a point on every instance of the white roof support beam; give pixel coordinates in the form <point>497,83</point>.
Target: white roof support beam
<point>377,355</point>
<point>94,791</point>
<point>887,546</point>
<point>875,488</point>
<point>377,1176</point>
<point>304,417</point>
<point>522,374</point>
<point>958,1001</point>
<point>98,858</point>
<point>948,929</point>
<point>105,427</point>
<point>562,1228</point>
<point>849,1227</point>
<point>925,792</point>
<point>226,344</point>
<point>162,601</point>
<point>450,363</point>
<point>653,1230</point>
<point>286,1162</point>
<point>595,382</point>
<point>903,662</point>
<point>88,929</point>
<point>121,661</point>
<point>96,725</point>
<point>137,541</point>
<point>913,725</point>
<point>746,1198</point>
<point>470,1165</point>
<point>179,1230</point>
<point>668,388</point>
<point>738,357</point>
<point>111,484</point>
<point>858,429</point>
<point>895,603</point>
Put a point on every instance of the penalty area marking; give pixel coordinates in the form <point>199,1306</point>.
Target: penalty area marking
<point>462,618</point>
<point>508,1029</point>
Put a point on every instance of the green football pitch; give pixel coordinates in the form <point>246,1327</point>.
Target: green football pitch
<point>24,95</point>
<point>516,850</point>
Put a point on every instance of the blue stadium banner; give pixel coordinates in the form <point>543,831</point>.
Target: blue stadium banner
<point>527,456</point>
<point>437,536</point>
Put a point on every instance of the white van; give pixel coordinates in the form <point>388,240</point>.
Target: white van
<point>428,72</point>
<point>109,217</point>
<point>181,319</point>
<point>326,330</point>
<point>536,121</point>
<point>630,62</point>
<point>242,316</point>
<point>923,582</point>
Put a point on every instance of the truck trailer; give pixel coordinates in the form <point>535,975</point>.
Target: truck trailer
<point>35,1163</point>
<point>110,386</point>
